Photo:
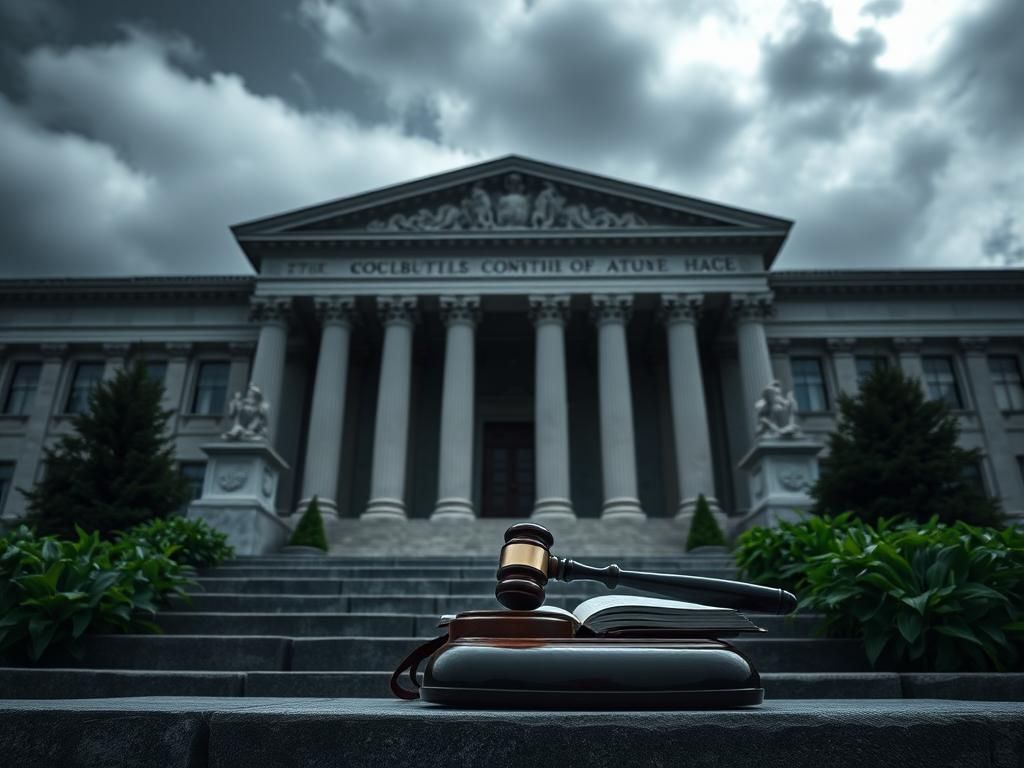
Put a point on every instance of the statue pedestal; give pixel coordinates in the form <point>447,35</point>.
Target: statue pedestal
<point>779,472</point>
<point>239,490</point>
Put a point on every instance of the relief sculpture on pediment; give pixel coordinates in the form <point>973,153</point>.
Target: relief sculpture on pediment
<point>512,206</point>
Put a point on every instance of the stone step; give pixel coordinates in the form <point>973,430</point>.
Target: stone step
<point>418,572</point>
<point>18,683</point>
<point>380,624</point>
<point>241,732</point>
<point>675,564</point>
<point>242,653</point>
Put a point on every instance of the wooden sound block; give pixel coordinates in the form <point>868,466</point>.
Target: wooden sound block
<point>523,660</point>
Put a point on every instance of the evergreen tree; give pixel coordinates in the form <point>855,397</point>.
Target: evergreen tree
<point>118,468</point>
<point>704,530</point>
<point>894,454</point>
<point>310,530</point>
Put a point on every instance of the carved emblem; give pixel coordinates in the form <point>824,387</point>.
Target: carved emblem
<point>512,207</point>
<point>792,480</point>
<point>267,484</point>
<point>232,479</point>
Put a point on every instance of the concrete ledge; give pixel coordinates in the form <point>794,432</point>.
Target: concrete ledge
<point>240,733</point>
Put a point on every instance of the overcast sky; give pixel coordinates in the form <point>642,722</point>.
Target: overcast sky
<point>133,133</point>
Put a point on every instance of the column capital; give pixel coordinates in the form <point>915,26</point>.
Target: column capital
<point>54,351</point>
<point>841,346</point>
<point>681,307</point>
<point>552,308</point>
<point>908,344</point>
<point>748,307</point>
<point>460,310</point>
<point>335,310</point>
<point>611,307</point>
<point>779,345</point>
<point>178,349</point>
<point>240,349</point>
<point>398,310</point>
<point>974,345</point>
<point>116,349</point>
<point>270,309</point>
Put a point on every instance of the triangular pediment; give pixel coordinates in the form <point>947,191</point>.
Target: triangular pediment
<point>511,194</point>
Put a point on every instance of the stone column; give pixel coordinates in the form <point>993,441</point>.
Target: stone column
<point>174,381</point>
<point>1009,484</point>
<point>778,350</point>
<point>750,311</point>
<point>114,355</point>
<point>268,365</point>
<point>391,434</point>
<point>551,407</point>
<point>455,469</point>
<point>844,364</point>
<point>327,415</point>
<point>694,466</point>
<point>908,350</point>
<point>618,444</point>
<point>31,450</point>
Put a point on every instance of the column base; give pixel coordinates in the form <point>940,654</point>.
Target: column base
<point>623,508</point>
<point>687,506</point>
<point>456,510</point>
<point>327,506</point>
<point>384,509</point>
<point>553,509</point>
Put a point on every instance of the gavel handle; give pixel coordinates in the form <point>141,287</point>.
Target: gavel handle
<point>698,589</point>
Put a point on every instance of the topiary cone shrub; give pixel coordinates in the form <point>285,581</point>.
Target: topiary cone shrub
<point>704,530</point>
<point>310,530</point>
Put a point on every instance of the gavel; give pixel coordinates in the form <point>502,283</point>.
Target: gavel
<point>526,565</point>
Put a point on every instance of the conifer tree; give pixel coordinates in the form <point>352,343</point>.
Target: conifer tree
<point>118,468</point>
<point>310,530</point>
<point>704,530</point>
<point>894,454</point>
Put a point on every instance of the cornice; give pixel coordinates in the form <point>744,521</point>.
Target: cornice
<point>897,281</point>
<point>107,289</point>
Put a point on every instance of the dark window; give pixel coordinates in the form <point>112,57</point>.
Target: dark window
<point>156,370</point>
<point>809,384</point>
<point>87,377</point>
<point>194,472</point>
<point>973,476</point>
<point>868,363</point>
<point>211,388</point>
<point>6,474</point>
<point>1006,382</point>
<point>508,482</point>
<point>940,380</point>
<point>22,392</point>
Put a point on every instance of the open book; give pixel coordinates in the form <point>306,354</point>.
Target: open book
<point>632,616</point>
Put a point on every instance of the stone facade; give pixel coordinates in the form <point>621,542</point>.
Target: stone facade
<point>445,348</point>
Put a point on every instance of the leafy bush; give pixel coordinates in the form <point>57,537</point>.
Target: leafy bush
<point>52,592</point>
<point>186,541</point>
<point>310,530</point>
<point>704,530</point>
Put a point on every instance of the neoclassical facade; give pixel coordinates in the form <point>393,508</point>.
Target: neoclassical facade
<point>513,339</point>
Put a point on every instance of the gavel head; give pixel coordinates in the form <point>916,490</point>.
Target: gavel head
<point>524,566</point>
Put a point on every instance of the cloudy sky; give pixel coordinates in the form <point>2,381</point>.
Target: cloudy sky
<point>134,132</point>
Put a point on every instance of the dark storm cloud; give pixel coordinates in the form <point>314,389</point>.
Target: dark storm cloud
<point>1003,244</point>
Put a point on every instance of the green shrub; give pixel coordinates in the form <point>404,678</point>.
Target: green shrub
<point>186,541</point>
<point>310,530</point>
<point>52,592</point>
<point>704,530</point>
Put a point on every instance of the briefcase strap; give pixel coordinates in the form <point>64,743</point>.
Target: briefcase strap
<point>411,662</point>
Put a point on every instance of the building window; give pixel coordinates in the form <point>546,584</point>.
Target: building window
<point>22,391</point>
<point>6,475</point>
<point>809,384</point>
<point>868,363</point>
<point>211,388</point>
<point>156,370</point>
<point>1006,382</point>
<point>87,377</point>
<point>194,472</point>
<point>940,380</point>
<point>973,476</point>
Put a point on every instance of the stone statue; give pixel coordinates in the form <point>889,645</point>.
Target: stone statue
<point>776,413</point>
<point>250,414</point>
<point>514,205</point>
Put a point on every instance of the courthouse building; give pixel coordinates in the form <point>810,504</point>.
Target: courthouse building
<point>513,339</point>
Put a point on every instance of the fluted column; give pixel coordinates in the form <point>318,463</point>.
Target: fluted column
<point>327,415</point>
<point>750,311</point>
<point>694,467</point>
<point>1010,485</point>
<point>268,365</point>
<point>455,469</point>
<point>391,433</point>
<point>618,443</point>
<point>551,405</point>
<point>844,364</point>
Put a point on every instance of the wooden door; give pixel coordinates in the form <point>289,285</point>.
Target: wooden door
<point>508,482</point>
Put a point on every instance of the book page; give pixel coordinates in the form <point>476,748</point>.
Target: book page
<point>595,605</point>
